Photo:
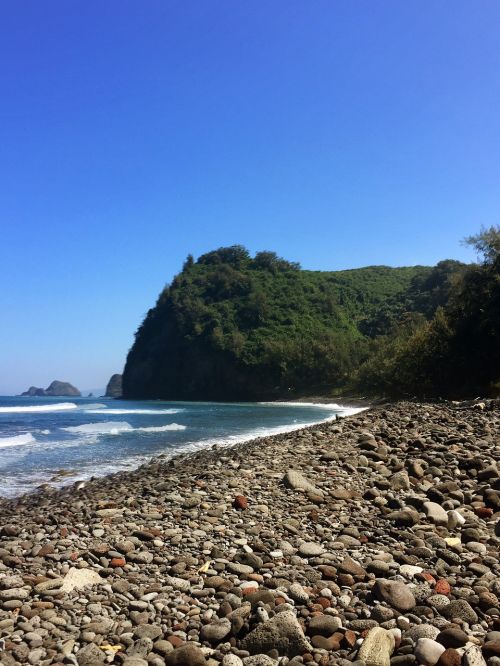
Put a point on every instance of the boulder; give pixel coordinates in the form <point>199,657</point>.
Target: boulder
<point>282,632</point>
<point>377,647</point>
<point>396,594</point>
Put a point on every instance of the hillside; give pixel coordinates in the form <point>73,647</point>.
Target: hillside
<point>233,327</point>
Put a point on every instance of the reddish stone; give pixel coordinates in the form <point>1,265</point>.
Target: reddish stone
<point>118,562</point>
<point>450,657</point>
<point>428,577</point>
<point>442,587</point>
<point>73,557</point>
<point>345,580</point>
<point>46,549</point>
<point>349,640</point>
<point>307,657</point>
<point>314,515</point>
<point>176,641</point>
<point>240,502</point>
<point>323,602</point>
<point>491,649</point>
<point>328,572</point>
<point>64,532</point>
<point>483,512</point>
<point>278,601</point>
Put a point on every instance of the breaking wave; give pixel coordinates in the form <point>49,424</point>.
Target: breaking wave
<point>17,440</point>
<point>154,412</point>
<point>32,409</point>
<point>117,427</point>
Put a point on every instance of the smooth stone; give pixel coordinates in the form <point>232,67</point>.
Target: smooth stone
<point>311,549</point>
<point>394,593</point>
<point>428,651</point>
<point>186,655</point>
<point>436,513</point>
<point>216,631</point>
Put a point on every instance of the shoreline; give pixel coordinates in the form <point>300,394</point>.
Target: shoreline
<point>59,479</point>
<point>178,554</point>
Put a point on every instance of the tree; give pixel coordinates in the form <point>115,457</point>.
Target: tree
<point>486,243</point>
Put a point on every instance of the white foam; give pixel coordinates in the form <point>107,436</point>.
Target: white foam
<point>17,440</point>
<point>341,410</point>
<point>170,426</point>
<point>117,427</point>
<point>94,405</point>
<point>28,409</point>
<point>154,412</point>
<point>103,428</point>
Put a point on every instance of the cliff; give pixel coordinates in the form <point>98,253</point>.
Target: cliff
<point>233,327</point>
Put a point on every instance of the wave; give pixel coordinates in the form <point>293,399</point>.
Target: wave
<point>103,428</point>
<point>94,405</point>
<point>57,407</point>
<point>154,412</point>
<point>170,426</point>
<point>117,427</point>
<point>17,440</point>
<point>341,410</point>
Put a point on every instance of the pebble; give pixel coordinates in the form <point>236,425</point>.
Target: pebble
<point>324,546</point>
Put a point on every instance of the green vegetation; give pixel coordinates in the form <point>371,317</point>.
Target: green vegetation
<point>457,351</point>
<point>233,327</point>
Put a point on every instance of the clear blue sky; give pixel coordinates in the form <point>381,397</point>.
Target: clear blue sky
<point>338,134</point>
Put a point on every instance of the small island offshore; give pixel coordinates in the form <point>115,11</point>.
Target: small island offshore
<point>55,389</point>
<point>370,539</point>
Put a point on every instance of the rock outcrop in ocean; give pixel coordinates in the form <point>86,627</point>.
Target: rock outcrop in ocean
<point>56,388</point>
<point>114,387</point>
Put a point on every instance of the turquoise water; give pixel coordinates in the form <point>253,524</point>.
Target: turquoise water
<point>39,437</point>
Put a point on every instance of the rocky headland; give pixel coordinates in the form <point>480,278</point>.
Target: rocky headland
<point>372,539</point>
<point>114,387</point>
<point>56,389</point>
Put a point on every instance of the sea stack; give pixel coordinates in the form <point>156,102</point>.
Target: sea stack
<point>114,387</point>
<point>56,388</point>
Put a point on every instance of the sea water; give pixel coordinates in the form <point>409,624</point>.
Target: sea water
<point>60,440</point>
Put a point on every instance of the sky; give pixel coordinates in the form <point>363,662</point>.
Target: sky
<point>337,133</point>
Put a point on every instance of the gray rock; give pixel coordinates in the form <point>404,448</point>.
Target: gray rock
<point>282,632</point>
<point>436,513</point>
<point>311,549</point>
<point>394,593</point>
<point>422,631</point>
<point>324,625</point>
<point>460,608</point>
<point>474,657</point>
<point>297,481</point>
<point>90,655</point>
<point>216,631</point>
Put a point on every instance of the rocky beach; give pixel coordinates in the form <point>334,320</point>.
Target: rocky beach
<point>371,539</point>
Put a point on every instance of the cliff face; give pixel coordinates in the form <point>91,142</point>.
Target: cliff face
<point>114,387</point>
<point>56,388</point>
<point>233,327</point>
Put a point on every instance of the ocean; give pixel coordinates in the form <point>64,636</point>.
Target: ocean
<point>60,441</point>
